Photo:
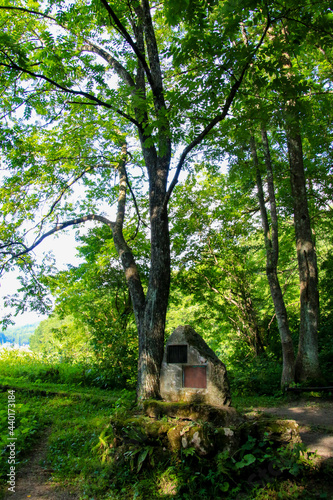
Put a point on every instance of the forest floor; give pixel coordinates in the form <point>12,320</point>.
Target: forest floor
<point>315,419</point>
<point>34,480</point>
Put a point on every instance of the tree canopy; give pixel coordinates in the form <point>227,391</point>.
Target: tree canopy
<point>103,105</point>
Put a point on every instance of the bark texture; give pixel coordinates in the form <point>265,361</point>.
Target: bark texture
<point>151,330</point>
<point>272,255</point>
<point>149,309</point>
<point>307,362</point>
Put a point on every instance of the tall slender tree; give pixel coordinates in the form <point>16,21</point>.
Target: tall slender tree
<point>272,255</point>
<point>285,90</point>
<point>307,361</point>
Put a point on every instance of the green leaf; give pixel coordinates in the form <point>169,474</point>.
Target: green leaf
<point>246,461</point>
<point>142,457</point>
<point>224,486</point>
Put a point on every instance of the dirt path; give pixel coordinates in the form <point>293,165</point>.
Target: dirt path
<point>315,421</point>
<point>34,482</point>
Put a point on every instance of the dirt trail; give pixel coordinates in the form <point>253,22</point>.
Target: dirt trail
<point>315,421</point>
<point>34,482</point>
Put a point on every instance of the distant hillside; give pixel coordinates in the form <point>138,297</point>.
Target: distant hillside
<point>18,334</point>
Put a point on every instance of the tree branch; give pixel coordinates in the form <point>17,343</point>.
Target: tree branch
<point>308,26</point>
<point>61,194</point>
<point>91,97</point>
<point>136,207</point>
<point>152,50</point>
<point>29,11</point>
<point>121,28</point>
<point>58,227</point>
<point>119,68</point>
<point>124,251</point>
<point>218,118</point>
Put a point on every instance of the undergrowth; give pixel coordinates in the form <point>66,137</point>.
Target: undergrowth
<point>75,421</point>
<point>187,475</point>
<point>37,368</point>
<point>85,453</point>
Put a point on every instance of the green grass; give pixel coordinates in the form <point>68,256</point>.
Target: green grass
<point>86,453</point>
<point>247,403</point>
<point>75,421</point>
<point>36,368</point>
<point>82,456</point>
<point>49,388</point>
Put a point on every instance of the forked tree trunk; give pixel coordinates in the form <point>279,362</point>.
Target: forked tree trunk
<point>272,255</point>
<point>307,362</point>
<point>149,113</point>
<point>150,309</point>
<point>151,321</point>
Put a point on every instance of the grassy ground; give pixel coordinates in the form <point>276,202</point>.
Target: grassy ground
<point>83,457</point>
<point>86,455</point>
<point>75,419</point>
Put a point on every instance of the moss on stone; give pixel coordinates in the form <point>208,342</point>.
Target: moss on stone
<point>174,436</point>
<point>200,438</point>
<point>153,427</point>
<point>221,416</point>
<point>283,431</point>
<point>207,429</point>
<point>276,430</point>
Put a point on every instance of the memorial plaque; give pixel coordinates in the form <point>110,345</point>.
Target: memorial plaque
<point>195,377</point>
<point>177,354</point>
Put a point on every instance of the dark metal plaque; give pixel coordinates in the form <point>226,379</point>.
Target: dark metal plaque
<point>195,377</point>
<point>177,354</point>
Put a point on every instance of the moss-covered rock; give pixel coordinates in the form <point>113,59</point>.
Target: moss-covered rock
<point>198,437</point>
<point>276,430</point>
<point>219,416</point>
<point>227,439</point>
<point>282,431</point>
<point>171,427</point>
<point>174,436</point>
<point>141,429</point>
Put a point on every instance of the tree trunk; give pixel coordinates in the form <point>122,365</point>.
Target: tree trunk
<point>149,310</point>
<point>151,336</point>
<point>307,362</point>
<point>272,255</point>
<point>157,156</point>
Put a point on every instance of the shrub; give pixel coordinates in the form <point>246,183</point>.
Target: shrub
<point>37,367</point>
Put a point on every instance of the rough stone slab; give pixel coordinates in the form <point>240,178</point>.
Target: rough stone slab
<point>277,430</point>
<point>219,416</point>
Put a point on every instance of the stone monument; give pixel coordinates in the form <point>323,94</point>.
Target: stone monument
<point>191,371</point>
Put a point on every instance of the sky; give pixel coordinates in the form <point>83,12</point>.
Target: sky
<point>63,248</point>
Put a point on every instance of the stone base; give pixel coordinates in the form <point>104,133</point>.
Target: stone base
<point>207,429</point>
<point>217,415</point>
